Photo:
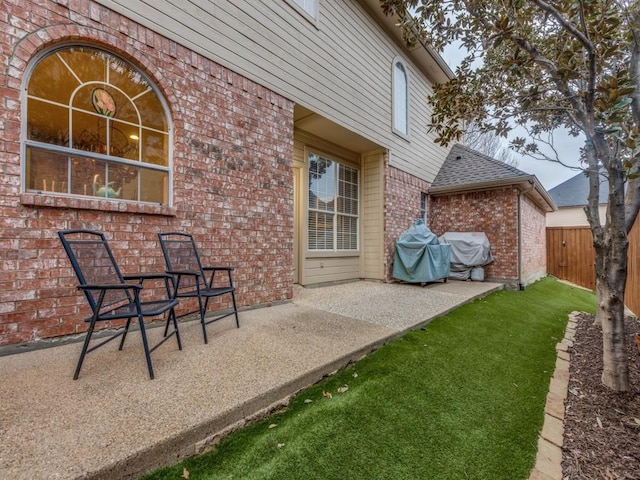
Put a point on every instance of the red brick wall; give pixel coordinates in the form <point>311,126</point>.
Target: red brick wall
<point>534,241</point>
<point>494,212</point>
<point>233,186</point>
<point>402,208</point>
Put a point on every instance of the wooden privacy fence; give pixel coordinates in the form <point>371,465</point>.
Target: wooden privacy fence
<point>571,257</point>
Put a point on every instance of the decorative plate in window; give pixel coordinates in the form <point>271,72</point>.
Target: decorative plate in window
<point>103,102</point>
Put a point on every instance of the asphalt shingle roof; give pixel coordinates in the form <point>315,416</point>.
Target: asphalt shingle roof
<point>574,192</point>
<point>464,166</point>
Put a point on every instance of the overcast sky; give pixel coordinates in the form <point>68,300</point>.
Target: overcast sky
<point>550,174</point>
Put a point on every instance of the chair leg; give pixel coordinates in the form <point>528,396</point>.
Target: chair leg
<point>235,308</point>
<point>203,311</point>
<point>84,347</point>
<point>172,316</point>
<point>124,334</point>
<point>145,344</point>
<point>166,326</point>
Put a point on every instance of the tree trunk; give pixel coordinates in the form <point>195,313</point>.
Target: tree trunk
<point>610,283</point>
<point>611,245</point>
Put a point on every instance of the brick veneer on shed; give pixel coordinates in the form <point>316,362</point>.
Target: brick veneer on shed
<point>494,212</point>
<point>534,241</point>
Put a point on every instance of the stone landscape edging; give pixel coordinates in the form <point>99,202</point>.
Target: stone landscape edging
<point>548,464</point>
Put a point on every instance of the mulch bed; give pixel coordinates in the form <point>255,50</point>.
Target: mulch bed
<point>602,428</point>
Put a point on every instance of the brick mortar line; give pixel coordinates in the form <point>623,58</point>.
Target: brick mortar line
<point>548,465</point>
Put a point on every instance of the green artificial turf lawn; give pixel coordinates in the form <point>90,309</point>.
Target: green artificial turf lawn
<point>462,398</point>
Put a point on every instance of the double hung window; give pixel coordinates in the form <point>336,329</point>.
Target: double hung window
<point>95,126</point>
<point>334,193</point>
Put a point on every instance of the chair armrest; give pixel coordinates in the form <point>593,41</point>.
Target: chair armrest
<point>184,272</point>
<point>209,269</point>
<point>146,276</point>
<point>111,286</point>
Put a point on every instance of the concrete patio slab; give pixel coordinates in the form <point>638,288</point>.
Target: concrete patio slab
<point>115,423</point>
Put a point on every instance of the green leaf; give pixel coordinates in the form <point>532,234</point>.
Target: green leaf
<point>622,103</point>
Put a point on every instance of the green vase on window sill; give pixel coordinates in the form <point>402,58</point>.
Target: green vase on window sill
<point>105,190</point>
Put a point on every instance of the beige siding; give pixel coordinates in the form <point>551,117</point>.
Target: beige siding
<point>572,217</point>
<point>334,269</point>
<point>303,140</point>
<point>340,69</point>
<point>372,237</point>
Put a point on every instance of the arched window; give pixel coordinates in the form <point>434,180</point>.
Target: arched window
<point>95,126</point>
<point>400,99</point>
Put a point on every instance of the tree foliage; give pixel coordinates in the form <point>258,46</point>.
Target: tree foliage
<point>544,65</point>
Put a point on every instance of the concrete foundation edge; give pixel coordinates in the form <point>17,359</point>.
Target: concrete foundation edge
<point>205,436</point>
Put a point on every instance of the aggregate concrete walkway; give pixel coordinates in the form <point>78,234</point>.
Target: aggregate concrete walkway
<point>115,423</point>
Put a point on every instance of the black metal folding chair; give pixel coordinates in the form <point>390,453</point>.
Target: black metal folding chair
<point>190,279</point>
<point>110,296</point>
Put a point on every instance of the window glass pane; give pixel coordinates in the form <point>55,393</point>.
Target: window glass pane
<point>347,233</point>
<point>125,180</point>
<point>126,79</point>
<point>320,231</point>
<point>155,147</point>
<point>52,71</point>
<point>153,186</point>
<point>400,98</point>
<point>123,141</point>
<point>87,176</point>
<point>348,191</point>
<point>151,112</point>
<point>322,180</point>
<point>126,110</point>
<point>83,97</point>
<point>89,132</point>
<point>107,185</point>
<point>46,171</point>
<point>87,64</point>
<point>47,123</point>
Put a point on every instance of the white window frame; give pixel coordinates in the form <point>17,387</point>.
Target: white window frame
<point>335,213</point>
<point>400,100</point>
<point>307,8</point>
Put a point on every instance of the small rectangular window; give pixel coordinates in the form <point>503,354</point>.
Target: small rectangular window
<point>423,207</point>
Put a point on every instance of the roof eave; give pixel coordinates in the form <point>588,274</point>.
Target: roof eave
<point>527,185</point>
<point>428,60</point>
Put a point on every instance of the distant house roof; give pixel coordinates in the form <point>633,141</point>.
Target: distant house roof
<point>575,191</point>
<point>466,170</point>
